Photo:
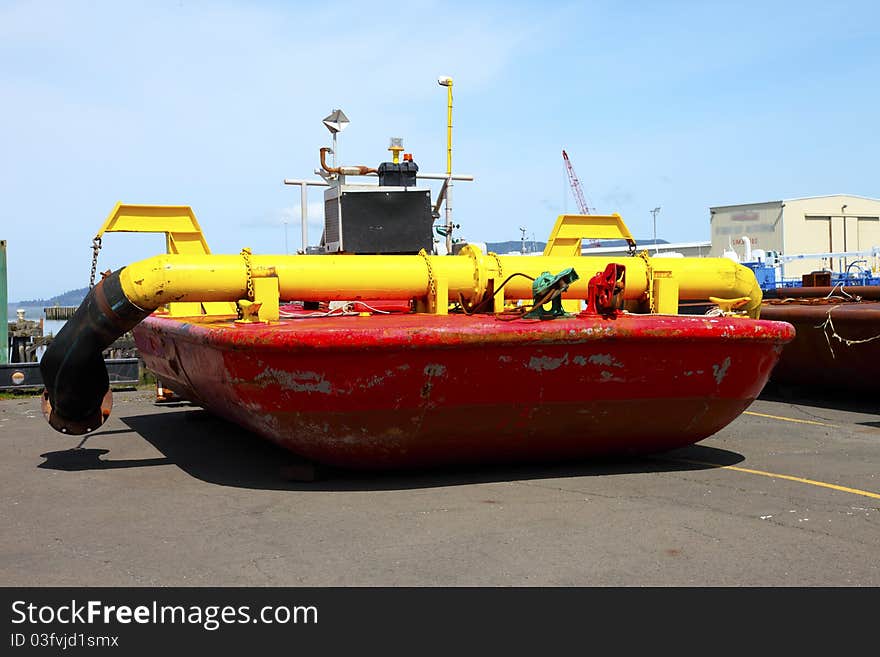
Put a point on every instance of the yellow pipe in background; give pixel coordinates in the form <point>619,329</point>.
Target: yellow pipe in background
<point>446,81</point>
<point>171,278</point>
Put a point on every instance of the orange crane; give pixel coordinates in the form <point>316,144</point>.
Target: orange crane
<point>578,191</point>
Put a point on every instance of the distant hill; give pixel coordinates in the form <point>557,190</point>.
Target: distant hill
<point>538,247</point>
<point>34,307</point>
<point>515,246</point>
<point>69,298</point>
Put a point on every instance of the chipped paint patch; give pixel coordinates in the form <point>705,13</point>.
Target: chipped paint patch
<point>605,359</point>
<point>545,363</point>
<point>720,371</point>
<point>505,359</point>
<point>435,369</point>
<point>296,381</point>
<point>373,381</point>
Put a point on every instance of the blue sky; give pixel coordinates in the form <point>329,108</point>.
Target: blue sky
<point>684,105</point>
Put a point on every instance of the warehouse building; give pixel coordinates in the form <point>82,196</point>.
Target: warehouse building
<point>839,223</point>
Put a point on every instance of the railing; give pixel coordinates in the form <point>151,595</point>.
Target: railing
<point>305,184</point>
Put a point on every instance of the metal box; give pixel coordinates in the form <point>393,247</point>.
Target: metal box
<point>366,219</point>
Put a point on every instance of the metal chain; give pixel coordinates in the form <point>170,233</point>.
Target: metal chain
<point>432,287</point>
<point>96,247</point>
<point>246,254</point>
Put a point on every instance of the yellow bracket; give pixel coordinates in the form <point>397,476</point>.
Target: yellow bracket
<point>182,231</point>
<point>183,235</point>
<point>665,293</point>
<point>250,312</point>
<point>570,229</point>
<point>266,298</point>
<point>566,239</point>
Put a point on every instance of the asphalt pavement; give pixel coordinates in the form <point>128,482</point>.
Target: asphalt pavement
<point>164,495</point>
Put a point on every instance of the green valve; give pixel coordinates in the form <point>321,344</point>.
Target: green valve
<point>549,287</point>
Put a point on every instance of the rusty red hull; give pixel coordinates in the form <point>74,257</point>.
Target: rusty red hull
<point>418,390</point>
<point>837,346</point>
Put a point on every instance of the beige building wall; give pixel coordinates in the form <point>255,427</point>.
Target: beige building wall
<point>820,224</point>
<point>761,223</point>
<point>828,224</point>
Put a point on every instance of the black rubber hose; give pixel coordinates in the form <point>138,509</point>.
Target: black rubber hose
<point>73,366</point>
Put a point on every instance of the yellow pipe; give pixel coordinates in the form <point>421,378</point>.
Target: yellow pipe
<point>449,128</point>
<point>164,279</point>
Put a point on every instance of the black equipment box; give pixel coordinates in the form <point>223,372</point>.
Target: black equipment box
<point>402,174</point>
<point>378,221</point>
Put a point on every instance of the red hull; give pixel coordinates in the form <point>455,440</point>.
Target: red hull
<point>816,358</point>
<point>415,390</point>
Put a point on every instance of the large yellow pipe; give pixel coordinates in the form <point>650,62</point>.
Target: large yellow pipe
<point>74,372</point>
<point>163,279</point>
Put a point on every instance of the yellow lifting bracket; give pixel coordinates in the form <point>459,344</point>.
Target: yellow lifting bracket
<point>566,238</point>
<point>182,231</point>
<point>183,236</point>
<point>570,229</point>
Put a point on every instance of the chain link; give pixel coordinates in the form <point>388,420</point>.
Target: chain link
<point>432,286</point>
<point>96,247</point>
<point>246,254</point>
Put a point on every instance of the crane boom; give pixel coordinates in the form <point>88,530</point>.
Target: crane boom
<point>578,191</point>
<point>576,186</point>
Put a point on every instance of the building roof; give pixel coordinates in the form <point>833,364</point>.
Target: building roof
<point>798,198</point>
<point>807,198</point>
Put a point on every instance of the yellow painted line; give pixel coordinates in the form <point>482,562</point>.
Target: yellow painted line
<point>801,480</point>
<point>788,419</point>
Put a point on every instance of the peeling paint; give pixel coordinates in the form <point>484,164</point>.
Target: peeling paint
<point>545,363</point>
<point>605,359</point>
<point>720,371</point>
<point>372,382</point>
<point>435,369</point>
<point>296,381</point>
